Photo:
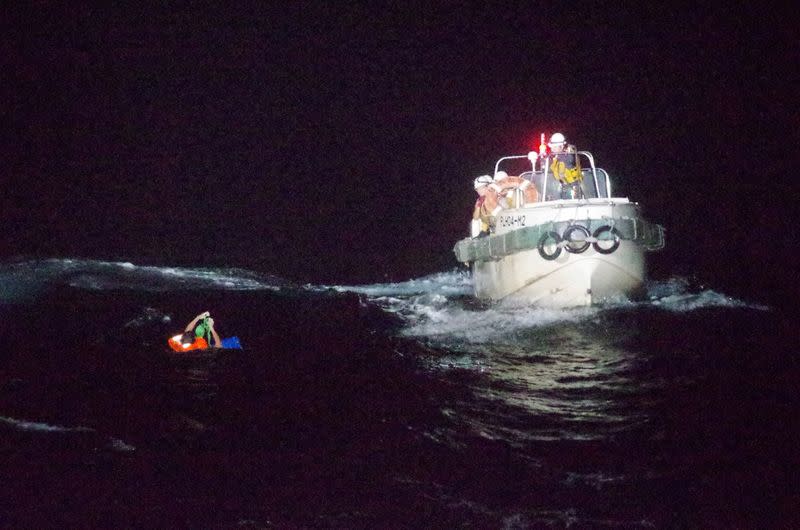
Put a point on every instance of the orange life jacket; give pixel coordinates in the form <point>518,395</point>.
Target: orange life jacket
<point>198,344</point>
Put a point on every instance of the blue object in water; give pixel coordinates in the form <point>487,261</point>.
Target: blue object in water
<point>231,343</point>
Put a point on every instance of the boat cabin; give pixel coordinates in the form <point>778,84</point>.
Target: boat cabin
<point>594,181</point>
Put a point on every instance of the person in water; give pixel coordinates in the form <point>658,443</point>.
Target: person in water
<point>195,338</point>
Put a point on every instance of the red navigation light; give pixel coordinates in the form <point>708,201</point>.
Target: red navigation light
<point>542,146</point>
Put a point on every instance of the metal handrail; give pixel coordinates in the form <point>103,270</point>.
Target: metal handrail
<point>515,157</point>
<point>545,167</point>
<point>589,156</point>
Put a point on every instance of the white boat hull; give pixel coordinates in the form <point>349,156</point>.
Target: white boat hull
<point>571,279</point>
<point>568,281</point>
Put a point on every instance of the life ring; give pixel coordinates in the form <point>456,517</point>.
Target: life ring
<point>544,241</point>
<point>576,246</point>
<point>606,250</point>
<point>506,186</point>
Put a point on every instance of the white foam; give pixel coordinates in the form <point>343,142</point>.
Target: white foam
<point>41,427</point>
<point>119,445</point>
<point>452,283</point>
<point>24,425</point>
<point>24,280</point>
<point>433,307</point>
<point>440,307</point>
<point>148,314</point>
<point>675,295</point>
<point>489,325</point>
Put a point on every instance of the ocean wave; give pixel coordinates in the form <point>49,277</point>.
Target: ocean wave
<point>25,280</point>
<point>147,316</point>
<point>493,325</point>
<point>450,283</point>
<point>35,426</point>
<point>441,306</point>
<point>676,295</point>
<point>114,444</point>
<point>562,370</point>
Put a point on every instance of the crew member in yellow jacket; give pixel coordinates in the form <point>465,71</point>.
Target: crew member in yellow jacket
<point>566,167</point>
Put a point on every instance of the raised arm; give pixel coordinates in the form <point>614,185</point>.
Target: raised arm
<point>190,326</point>
<point>214,335</point>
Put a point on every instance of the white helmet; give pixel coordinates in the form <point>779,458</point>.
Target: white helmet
<point>483,180</point>
<point>557,139</point>
<point>500,175</point>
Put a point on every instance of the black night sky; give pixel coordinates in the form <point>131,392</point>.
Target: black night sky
<point>330,143</point>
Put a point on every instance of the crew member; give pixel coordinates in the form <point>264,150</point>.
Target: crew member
<point>566,167</point>
<point>486,206</point>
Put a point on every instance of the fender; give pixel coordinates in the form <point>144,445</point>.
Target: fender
<point>615,240</point>
<point>545,241</point>
<point>576,246</point>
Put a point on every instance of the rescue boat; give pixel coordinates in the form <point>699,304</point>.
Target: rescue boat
<point>561,251</point>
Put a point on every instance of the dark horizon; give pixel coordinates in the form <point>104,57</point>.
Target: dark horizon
<point>339,143</point>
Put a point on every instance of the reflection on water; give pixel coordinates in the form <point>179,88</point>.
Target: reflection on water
<point>544,374</point>
<point>556,382</point>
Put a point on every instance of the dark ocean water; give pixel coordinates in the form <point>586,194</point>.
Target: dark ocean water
<point>402,405</point>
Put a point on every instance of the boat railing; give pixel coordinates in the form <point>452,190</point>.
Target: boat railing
<point>595,181</point>
<point>590,158</point>
<point>553,189</point>
<point>529,156</point>
<point>519,198</point>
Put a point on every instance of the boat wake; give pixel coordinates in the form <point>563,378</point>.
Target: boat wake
<point>440,306</point>
<point>542,374</point>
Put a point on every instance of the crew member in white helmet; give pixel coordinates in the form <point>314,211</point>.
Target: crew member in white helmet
<point>486,206</point>
<point>566,167</point>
